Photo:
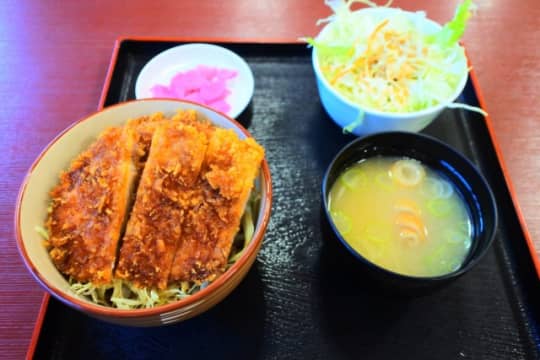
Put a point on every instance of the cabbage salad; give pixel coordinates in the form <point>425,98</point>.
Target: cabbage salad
<point>392,61</point>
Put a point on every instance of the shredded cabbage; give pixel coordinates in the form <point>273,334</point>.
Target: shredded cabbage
<point>42,231</point>
<point>389,62</point>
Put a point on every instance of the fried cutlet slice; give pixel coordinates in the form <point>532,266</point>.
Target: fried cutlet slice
<point>189,117</point>
<point>144,128</point>
<point>165,189</point>
<point>209,228</point>
<point>89,208</point>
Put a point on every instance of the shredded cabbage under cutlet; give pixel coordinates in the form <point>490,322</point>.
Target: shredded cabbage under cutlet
<point>123,295</point>
<point>42,231</point>
<point>389,63</point>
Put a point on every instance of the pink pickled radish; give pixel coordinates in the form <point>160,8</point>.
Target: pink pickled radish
<point>226,74</point>
<point>221,106</point>
<point>209,72</point>
<point>203,84</point>
<point>213,91</point>
<point>162,91</point>
<point>194,96</point>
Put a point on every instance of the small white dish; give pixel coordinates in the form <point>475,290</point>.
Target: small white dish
<point>164,66</point>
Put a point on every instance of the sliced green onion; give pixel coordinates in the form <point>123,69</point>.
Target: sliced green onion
<point>439,207</point>
<point>342,222</point>
<point>354,179</point>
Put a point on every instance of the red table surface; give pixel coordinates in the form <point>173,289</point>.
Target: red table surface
<point>54,58</point>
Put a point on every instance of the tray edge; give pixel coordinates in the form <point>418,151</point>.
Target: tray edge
<point>38,326</point>
<point>475,83</point>
<point>507,179</point>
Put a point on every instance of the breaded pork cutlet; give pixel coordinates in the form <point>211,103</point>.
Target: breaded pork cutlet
<point>208,230</point>
<point>144,128</point>
<point>189,117</point>
<point>89,207</point>
<point>165,191</point>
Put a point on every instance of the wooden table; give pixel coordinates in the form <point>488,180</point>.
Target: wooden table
<point>55,57</point>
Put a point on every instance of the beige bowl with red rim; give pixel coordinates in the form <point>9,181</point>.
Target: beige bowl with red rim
<point>33,199</point>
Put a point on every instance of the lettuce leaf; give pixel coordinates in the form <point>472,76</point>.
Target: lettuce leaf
<point>453,30</point>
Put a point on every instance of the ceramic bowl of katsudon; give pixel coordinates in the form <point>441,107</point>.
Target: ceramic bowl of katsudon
<point>145,213</point>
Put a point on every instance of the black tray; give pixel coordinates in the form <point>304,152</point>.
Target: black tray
<point>304,297</point>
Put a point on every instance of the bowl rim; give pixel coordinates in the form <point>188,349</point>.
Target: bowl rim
<point>424,137</point>
<point>203,294</point>
<point>397,115</point>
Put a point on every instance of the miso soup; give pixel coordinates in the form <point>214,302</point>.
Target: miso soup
<point>401,215</point>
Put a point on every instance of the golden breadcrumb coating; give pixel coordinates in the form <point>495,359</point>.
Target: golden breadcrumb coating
<point>189,117</point>
<point>208,229</point>
<point>89,207</point>
<point>144,128</point>
<point>192,181</point>
<point>154,227</point>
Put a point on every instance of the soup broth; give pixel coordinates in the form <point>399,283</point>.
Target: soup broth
<point>401,215</point>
